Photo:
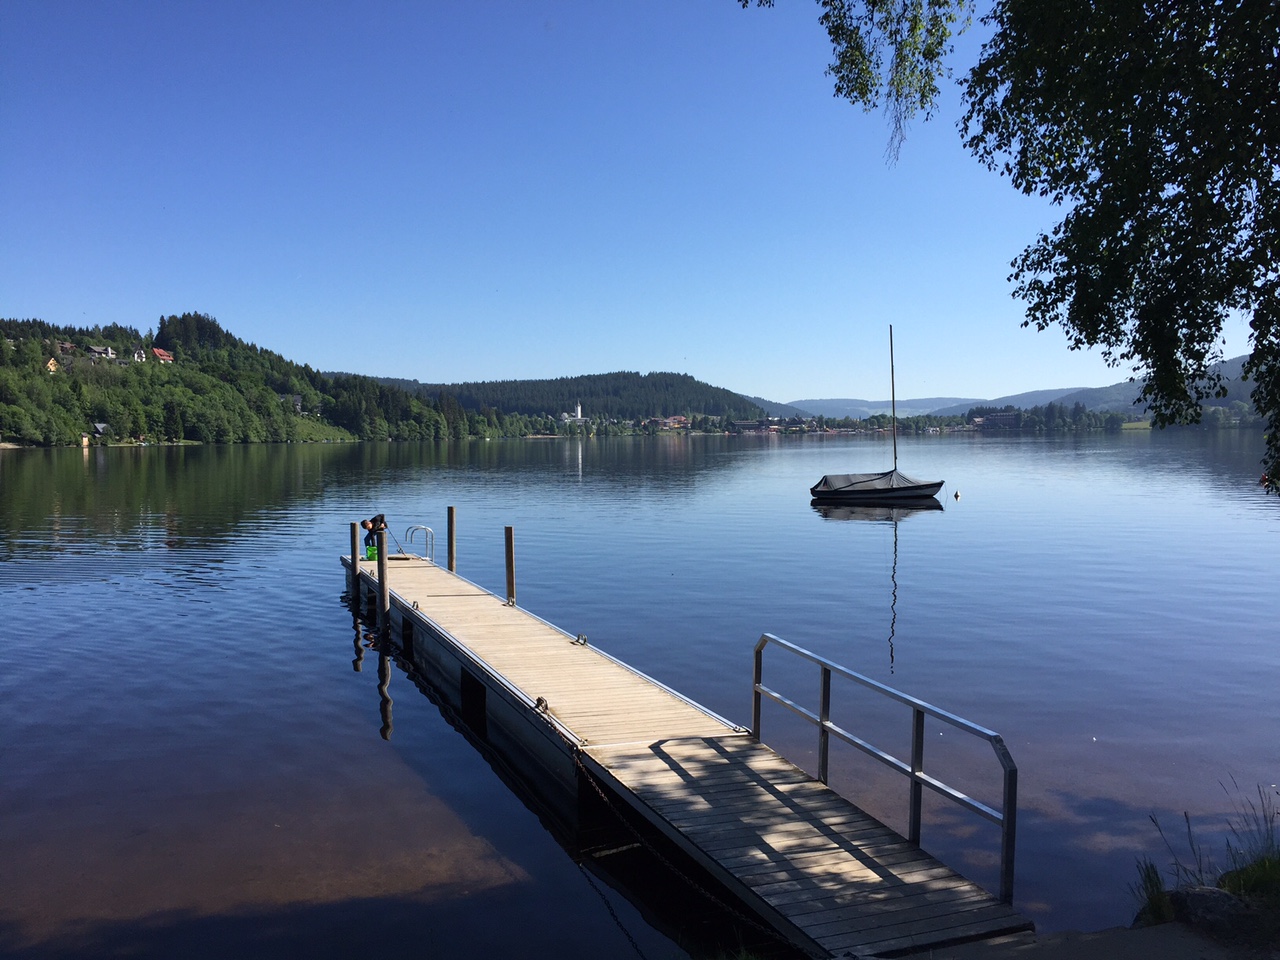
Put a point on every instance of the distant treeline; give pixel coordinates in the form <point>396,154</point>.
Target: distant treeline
<point>621,396</point>
<point>58,383</point>
<point>1050,418</point>
<point>1058,417</point>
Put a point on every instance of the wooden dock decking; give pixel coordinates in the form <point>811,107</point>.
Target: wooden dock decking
<point>807,861</point>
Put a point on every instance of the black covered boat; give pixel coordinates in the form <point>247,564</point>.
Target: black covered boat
<point>872,488</point>
<point>889,486</point>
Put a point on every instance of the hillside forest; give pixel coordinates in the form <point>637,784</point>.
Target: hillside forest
<point>190,380</point>
<point>60,383</point>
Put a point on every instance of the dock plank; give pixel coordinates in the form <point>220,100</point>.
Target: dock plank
<point>826,874</point>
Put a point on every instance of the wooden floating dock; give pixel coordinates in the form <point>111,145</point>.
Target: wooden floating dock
<point>809,863</point>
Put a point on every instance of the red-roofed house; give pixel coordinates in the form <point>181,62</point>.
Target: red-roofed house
<point>162,356</point>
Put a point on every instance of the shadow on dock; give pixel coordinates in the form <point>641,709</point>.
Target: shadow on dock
<point>602,835</point>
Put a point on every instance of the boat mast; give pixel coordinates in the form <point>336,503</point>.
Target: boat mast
<point>893,400</point>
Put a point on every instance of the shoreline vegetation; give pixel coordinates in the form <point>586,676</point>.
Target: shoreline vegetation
<point>190,381</point>
<point>1238,903</point>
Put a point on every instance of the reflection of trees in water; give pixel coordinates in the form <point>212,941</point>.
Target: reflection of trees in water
<point>182,496</point>
<point>1194,455</point>
<point>175,495</point>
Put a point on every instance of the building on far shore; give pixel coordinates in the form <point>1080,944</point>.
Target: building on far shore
<point>577,415</point>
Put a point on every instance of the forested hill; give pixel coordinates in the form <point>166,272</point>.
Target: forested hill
<point>192,380</point>
<point>617,396</point>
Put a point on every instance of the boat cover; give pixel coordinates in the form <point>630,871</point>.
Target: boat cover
<point>890,483</point>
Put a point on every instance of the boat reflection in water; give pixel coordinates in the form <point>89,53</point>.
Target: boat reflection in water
<point>885,511</point>
<point>882,511</point>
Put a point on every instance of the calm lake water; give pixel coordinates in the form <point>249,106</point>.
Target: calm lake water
<point>192,761</point>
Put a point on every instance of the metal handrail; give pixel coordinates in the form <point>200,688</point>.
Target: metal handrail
<point>1006,817</point>
<point>429,538</point>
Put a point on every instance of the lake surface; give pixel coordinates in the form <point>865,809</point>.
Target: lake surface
<point>192,761</point>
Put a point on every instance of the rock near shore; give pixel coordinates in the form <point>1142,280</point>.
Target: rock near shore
<point>1210,909</point>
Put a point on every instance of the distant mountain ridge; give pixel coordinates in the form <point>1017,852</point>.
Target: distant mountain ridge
<point>1032,398</point>
<point>774,409</point>
<point>861,409</point>
<point>1118,398</point>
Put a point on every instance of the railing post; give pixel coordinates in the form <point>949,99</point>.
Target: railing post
<point>511,566</point>
<point>453,540</point>
<point>824,713</point>
<point>384,589</point>
<point>917,768</point>
<point>1008,834</point>
<point>757,675</point>
<point>355,560</point>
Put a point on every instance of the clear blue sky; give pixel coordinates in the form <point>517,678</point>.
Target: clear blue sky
<point>499,189</point>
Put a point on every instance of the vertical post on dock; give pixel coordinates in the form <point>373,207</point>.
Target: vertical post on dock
<point>384,589</point>
<point>453,539</point>
<point>511,566</point>
<point>917,768</point>
<point>354,589</point>
<point>1009,824</point>
<point>824,716</point>
<point>757,675</point>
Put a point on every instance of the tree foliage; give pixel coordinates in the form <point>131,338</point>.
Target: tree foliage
<point>890,51</point>
<point>1156,125</point>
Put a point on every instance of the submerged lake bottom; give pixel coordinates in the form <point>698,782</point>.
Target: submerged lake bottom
<point>196,761</point>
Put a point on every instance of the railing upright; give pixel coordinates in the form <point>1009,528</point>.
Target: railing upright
<point>914,770</point>
<point>1009,831</point>
<point>917,768</point>
<point>824,714</point>
<point>757,675</point>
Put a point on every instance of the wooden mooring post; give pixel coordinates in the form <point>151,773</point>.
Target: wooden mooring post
<point>353,588</point>
<point>511,566</point>
<point>384,588</point>
<point>453,540</point>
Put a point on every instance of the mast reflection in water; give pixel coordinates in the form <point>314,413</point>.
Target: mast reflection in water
<point>883,512</point>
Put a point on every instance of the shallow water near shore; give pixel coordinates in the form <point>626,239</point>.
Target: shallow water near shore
<point>193,764</point>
